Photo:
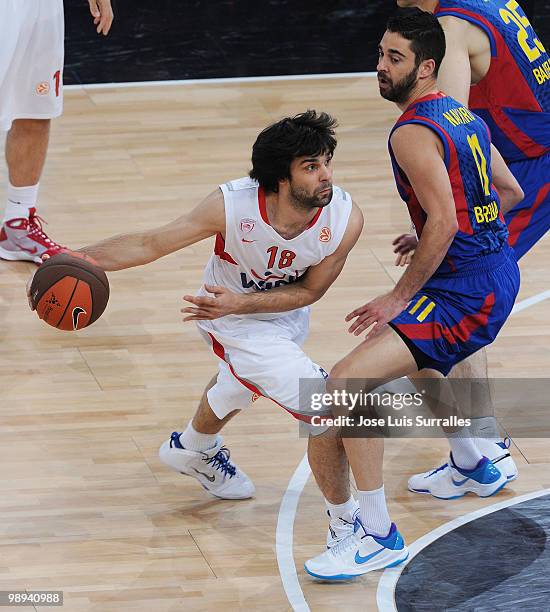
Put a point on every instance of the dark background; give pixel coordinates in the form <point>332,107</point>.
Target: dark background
<point>195,39</point>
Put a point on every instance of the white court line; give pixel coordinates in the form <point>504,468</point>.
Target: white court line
<point>530,301</point>
<point>289,504</point>
<point>285,534</point>
<point>386,586</point>
<point>227,80</point>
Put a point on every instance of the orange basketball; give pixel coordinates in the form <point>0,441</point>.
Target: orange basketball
<point>69,291</point>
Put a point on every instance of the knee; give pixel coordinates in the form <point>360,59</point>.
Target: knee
<point>29,126</point>
<point>340,370</point>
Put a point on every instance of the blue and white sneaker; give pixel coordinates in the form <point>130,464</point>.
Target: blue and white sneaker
<point>450,481</point>
<point>211,468</point>
<point>499,454</point>
<point>341,527</point>
<point>358,554</point>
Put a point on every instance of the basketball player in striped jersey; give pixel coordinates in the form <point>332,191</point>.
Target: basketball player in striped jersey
<point>31,94</point>
<point>497,65</point>
<point>282,236</point>
<point>455,294</point>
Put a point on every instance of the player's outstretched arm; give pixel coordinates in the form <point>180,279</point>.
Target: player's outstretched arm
<point>138,248</point>
<point>102,12</point>
<point>308,289</point>
<point>509,189</point>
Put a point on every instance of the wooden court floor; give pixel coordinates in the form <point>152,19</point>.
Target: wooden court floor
<point>85,505</point>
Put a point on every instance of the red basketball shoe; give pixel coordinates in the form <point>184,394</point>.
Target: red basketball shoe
<point>24,239</point>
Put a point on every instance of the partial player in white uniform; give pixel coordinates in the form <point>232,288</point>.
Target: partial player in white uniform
<point>282,237</point>
<point>31,94</point>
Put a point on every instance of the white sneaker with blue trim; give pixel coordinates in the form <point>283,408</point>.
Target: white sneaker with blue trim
<point>450,481</point>
<point>358,554</point>
<point>211,468</point>
<point>497,452</point>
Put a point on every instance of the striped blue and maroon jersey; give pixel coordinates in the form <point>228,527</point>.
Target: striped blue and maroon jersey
<point>466,141</point>
<point>514,96</point>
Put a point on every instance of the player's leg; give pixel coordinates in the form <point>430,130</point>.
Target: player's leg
<point>484,429</point>
<point>330,467</point>
<point>473,393</point>
<point>199,451</point>
<point>32,90</point>
<point>278,369</point>
<point>376,542</point>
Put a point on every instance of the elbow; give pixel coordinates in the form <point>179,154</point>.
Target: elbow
<point>312,297</point>
<point>517,195</point>
<point>152,247</point>
<point>451,228</point>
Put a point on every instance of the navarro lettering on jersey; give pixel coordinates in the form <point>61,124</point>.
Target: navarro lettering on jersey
<point>270,282</point>
<point>459,116</point>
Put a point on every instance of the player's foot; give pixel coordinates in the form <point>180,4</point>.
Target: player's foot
<point>24,239</point>
<point>211,468</point>
<point>358,554</point>
<point>340,528</point>
<point>499,454</point>
<point>450,482</point>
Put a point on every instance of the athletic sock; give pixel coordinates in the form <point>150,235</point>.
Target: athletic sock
<point>20,201</point>
<point>193,440</point>
<point>486,428</point>
<point>339,510</point>
<point>374,512</point>
<point>465,453</point>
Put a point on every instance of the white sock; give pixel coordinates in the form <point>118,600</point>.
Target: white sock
<point>193,440</point>
<point>465,453</point>
<point>20,201</point>
<point>374,512</point>
<point>339,510</point>
<point>486,428</point>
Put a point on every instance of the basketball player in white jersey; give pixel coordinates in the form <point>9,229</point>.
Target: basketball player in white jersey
<point>31,94</point>
<point>282,236</point>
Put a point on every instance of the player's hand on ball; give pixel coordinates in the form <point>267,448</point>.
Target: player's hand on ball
<point>377,312</point>
<point>405,245</point>
<point>224,303</point>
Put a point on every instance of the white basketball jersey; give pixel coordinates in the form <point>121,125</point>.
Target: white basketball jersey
<point>254,257</point>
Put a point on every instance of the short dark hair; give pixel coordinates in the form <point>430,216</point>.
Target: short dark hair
<point>308,134</point>
<point>423,30</point>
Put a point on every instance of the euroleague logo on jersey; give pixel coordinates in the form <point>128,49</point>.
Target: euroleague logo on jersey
<point>43,89</point>
<point>247,225</point>
<point>325,234</point>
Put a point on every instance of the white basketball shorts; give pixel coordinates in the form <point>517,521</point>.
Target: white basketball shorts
<point>31,60</point>
<point>262,358</point>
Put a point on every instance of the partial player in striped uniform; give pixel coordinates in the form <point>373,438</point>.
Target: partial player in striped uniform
<point>454,296</point>
<point>497,65</point>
